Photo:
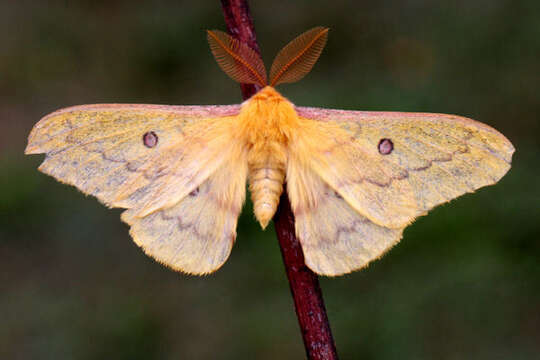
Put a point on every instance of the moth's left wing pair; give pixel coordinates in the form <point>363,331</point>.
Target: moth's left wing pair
<point>166,164</point>
<point>352,198</point>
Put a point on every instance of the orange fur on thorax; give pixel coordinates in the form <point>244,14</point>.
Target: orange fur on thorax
<point>267,121</point>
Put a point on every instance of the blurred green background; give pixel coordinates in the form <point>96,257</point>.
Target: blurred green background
<point>464,283</point>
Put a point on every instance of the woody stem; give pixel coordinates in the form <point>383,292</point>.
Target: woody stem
<point>305,289</point>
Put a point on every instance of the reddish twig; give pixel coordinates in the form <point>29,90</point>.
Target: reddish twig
<point>240,25</point>
<point>304,283</point>
<point>308,299</point>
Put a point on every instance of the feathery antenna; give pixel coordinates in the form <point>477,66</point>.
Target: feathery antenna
<point>237,59</point>
<point>297,58</point>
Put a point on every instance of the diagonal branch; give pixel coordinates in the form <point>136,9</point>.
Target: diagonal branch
<point>240,26</point>
<point>304,284</point>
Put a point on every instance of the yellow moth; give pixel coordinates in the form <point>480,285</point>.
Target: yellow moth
<point>355,179</point>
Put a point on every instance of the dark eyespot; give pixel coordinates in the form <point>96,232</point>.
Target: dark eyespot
<point>386,146</point>
<point>194,192</point>
<point>150,139</point>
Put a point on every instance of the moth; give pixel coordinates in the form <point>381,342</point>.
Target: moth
<point>355,179</point>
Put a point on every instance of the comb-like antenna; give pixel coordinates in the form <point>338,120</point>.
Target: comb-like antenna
<point>236,59</point>
<point>297,58</point>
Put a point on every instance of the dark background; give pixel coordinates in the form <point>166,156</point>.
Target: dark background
<point>463,283</point>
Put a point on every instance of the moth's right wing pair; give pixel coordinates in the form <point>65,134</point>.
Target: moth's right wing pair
<point>351,202</point>
<point>182,195</point>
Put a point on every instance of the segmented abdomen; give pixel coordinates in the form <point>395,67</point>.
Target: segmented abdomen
<point>266,184</point>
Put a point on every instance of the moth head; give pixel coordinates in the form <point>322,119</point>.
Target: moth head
<point>244,64</point>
